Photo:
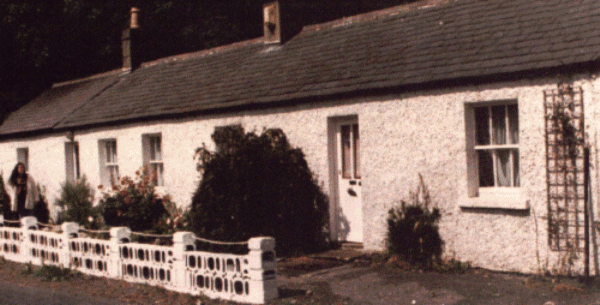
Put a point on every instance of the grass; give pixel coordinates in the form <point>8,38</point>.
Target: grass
<point>54,273</point>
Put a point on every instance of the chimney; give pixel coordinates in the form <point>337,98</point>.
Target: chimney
<point>130,43</point>
<point>274,30</point>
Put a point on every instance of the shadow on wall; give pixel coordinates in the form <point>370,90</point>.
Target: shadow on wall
<point>342,225</point>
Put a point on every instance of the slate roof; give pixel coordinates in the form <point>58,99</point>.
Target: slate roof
<point>52,106</point>
<point>432,41</point>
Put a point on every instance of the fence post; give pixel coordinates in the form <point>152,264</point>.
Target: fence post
<point>262,270</point>
<point>28,223</point>
<point>69,230</point>
<point>118,236</point>
<point>182,242</point>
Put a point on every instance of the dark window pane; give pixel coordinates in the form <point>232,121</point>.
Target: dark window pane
<point>486,168</point>
<point>517,177</point>
<point>482,122</point>
<point>513,123</point>
<point>503,170</point>
<point>498,125</point>
<point>346,151</point>
<point>356,151</point>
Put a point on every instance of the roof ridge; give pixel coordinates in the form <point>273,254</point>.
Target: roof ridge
<point>202,53</point>
<point>382,13</point>
<point>84,79</point>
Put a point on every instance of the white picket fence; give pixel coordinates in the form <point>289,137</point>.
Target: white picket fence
<point>249,278</point>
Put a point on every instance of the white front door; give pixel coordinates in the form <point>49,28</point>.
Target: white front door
<point>349,214</point>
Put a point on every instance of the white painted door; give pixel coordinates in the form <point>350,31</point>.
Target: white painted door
<point>349,181</point>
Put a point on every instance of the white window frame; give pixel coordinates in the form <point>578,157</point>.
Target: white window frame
<point>504,197</point>
<point>23,156</point>
<point>72,161</point>
<point>153,156</point>
<point>109,163</point>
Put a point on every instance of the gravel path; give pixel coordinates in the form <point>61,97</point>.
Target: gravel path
<point>385,286</point>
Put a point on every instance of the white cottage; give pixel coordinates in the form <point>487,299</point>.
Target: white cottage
<point>464,92</point>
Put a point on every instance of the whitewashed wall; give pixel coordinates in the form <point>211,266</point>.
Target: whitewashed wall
<point>46,161</point>
<point>402,136</point>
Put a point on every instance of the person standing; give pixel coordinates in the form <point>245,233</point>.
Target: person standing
<point>24,191</point>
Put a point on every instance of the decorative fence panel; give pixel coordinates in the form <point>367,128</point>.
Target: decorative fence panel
<point>249,278</point>
<point>11,243</point>
<point>147,264</point>
<point>90,256</point>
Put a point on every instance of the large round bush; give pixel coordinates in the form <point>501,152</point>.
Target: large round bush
<point>258,185</point>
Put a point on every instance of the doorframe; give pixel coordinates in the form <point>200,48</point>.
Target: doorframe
<point>332,151</point>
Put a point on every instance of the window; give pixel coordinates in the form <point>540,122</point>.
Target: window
<point>72,161</point>
<point>23,156</point>
<point>152,150</point>
<point>493,168</point>
<point>350,151</point>
<point>109,166</point>
<point>497,145</point>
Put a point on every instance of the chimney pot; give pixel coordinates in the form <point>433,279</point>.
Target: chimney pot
<point>271,22</point>
<point>130,43</point>
<point>277,24</point>
<point>134,18</point>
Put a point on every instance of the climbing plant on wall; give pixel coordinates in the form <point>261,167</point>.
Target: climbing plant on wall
<point>566,170</point>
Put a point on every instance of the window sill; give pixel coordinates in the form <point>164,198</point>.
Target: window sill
<point>499,200</point>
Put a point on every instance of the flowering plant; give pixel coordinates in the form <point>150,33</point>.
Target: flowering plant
<point>176,218</point>
<point>134,203</point>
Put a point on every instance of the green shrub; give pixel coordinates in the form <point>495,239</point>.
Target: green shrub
<point>50,273</point>
<point>40,209</point>
<point>133,203</point>
<point>258,185</point>
<point>4,199</point>
<point>76,205</point>
<point>413,230</point>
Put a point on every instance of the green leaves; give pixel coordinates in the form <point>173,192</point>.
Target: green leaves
<point>413,229</point>
<point>258,185</point>
<point>134,203</point>
<point>76,205</point>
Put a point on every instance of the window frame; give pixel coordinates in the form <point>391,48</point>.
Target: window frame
<point>505,197</point>
<point>73,169</point>
<point>350,151</point>
<point>109,167</point>
<point>151,159</point>
<point>23,156</point>
<point>495,149</point>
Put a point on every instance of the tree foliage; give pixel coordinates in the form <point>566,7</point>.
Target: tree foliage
<point>258,185</point>
<point>51,41</point>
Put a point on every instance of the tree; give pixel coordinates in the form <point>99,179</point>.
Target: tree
<point>44,42</point>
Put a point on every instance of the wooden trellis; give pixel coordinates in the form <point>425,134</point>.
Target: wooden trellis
<point>566,169</point>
